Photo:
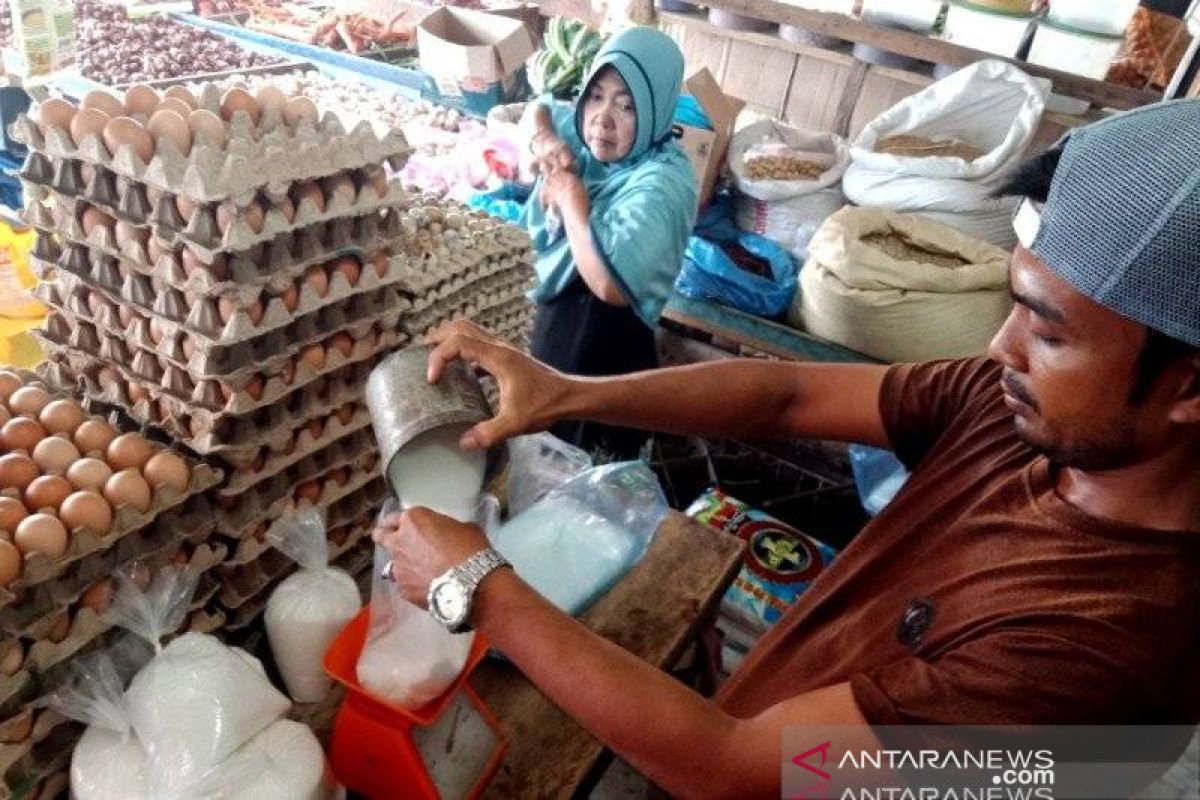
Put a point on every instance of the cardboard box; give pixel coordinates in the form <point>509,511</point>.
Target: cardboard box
<point>528,13</point>
<point>706,149</point>
<point>467,50</point>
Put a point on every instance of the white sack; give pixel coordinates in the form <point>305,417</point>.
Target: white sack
<point>895,309</point>
<point>289,765</point>
<point>107,765</point>
<point>787,212</point>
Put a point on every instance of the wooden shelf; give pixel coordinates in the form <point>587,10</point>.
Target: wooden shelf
<point>925,48</point>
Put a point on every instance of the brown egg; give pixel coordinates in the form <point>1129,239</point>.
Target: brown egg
<point>88,510</point>
<point>137,392</point>
<point>287,373</point>
<point>382,263</point>
<point>269,96</point>
<point>55,455</point>
<point>343,343</point>
<point>254,387</point>
<point>128,450</point>
<point>22,433</point>
<point>345,413</point>
<point>127,315</point>
<point>157,331</point>
<point>228,305</point>
<point>186,207</point>
<point>96,303</point>
<point>89,473</point>
<point>341,476</point>
<point>55,113</point>
<point>95,218</point>
<point>290,298</point>
<point>141,99</point>
<point>28,400</point>
<point>189,348</point>
<point>252,215</point>
<point>103,101</point>
<point>167,469</point>
<point>94,435</point>
<point>313,357</point>
<point>109,377</point>
<point>41,533</point>
<point>62,416</point>
<point>309,490</point>
<point>5,415</point>
<point>378,180</point>
<point>172,127</point>
<point>9,383</point>
<point>47,492</point>
<point>99,597</point>
<point>298,110</point>
<point>349,268</point>
<point>128,488</point>
<point>236,100</point>
<point>128,132</point>
<point>316,277</point>
<point>255,312</point>
<point>88,122</point>
<point>10,570</point>
<point>308,190</point>
<point>17,471</point>
<point>207,127</point>
<point>341,187</point>
<point>259,531</point>
<point>183,95</point>
<point>315,427</point>
<point>12,652</point>
<point>12,511</point>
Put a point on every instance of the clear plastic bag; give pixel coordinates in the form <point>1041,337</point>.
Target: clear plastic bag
<point>306,612</point>
<point>538,463</point>
<point>197,701</point>
<point>582,537</point>
<point>409,658</point>
<point>288,764</point>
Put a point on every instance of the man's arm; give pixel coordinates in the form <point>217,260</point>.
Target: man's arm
<point>738,398</point>
<point>680,740</point>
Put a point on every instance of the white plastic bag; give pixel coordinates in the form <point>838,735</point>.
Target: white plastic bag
<point>787,212</point>
<point>581,538</point>
<point>306,612</point>
<point>409,658</point>
<point>288,764</point>
<point>197,701</point>
<point>538,463</point>
<point>992,105</point>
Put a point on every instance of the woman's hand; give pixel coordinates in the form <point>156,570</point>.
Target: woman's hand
<point>424,545</point>
<point>550,153</point>
<point>565,192</point>
<point>532,395</point>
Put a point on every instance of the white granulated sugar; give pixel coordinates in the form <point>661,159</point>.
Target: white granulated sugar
<point>288,764</point>
<point>109,766</point>
<point>303,617</point>
<point>414,659</point>
<point>432,471</point>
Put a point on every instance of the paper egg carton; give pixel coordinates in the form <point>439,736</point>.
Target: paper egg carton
<point>244,580</point>
<point>45,751</point>
<point>274,497</point>
<point>178,391</point>
<point>274,265</point>
<point>190,523</point>
<point>271,157</point>
<point>507,300</point>
<point>499,286</point>
<point>200,316</point>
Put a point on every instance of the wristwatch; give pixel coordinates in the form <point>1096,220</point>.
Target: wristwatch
<point>451,594</point>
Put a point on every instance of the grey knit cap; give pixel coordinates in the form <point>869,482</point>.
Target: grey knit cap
<point>1122,221</point>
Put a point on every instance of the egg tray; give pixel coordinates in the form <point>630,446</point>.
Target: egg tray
<point>239,440</point>
<point>45,752</point>
<point>273,497</point>
<point>173,386</point>
<point>191,523</point>
<point>201,233</point>
<point>277,156</point>
<point>508,300</point>
<point>360,505</point>
<point>487,275</point>
<point>484,291</point>
<point>430,267</point>
<point>203,319</point>
<point>273,572</point>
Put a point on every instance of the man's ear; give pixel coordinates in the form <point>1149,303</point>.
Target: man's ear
<point>1185,410</point>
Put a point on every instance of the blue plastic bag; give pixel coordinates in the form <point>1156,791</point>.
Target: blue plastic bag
<point>504,202</point>
<point>710,274</point>
<point>878,474</point>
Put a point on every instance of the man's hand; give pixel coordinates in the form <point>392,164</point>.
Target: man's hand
<point>531,394</point>
<point>423,545</point>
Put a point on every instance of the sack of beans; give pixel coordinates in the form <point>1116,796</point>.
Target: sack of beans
<point>900,287</point>
<point>787,181</point>
<point>943,151</point>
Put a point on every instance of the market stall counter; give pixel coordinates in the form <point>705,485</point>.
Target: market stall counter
<point>654,612</point>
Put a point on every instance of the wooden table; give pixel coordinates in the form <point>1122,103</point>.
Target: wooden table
<point>654,612</point>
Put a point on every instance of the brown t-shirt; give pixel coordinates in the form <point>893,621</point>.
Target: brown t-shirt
<point>980,596</point>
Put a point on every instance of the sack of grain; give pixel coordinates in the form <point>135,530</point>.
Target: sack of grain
<point>899,287</point>
<point>942,151</point>
<point>787,181</point>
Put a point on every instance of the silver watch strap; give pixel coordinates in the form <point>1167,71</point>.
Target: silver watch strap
<point>475,568</point>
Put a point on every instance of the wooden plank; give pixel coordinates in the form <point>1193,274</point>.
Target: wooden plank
<point>819,88</point>
<point>701,48</point>
<point>882,88</point>
<point>926,48</point>
<point>654,613</point>
<point>759,74</point>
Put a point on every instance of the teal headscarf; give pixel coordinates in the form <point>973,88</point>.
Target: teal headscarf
<point>642,207</point>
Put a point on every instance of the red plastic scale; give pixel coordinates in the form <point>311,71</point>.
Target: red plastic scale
<point>377,746</point>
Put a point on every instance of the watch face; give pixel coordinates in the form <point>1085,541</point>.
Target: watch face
<point>450,602</point>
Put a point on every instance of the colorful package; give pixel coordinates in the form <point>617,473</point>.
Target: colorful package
<point>780,563</point>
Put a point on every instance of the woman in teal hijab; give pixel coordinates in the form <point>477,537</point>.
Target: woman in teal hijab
<point>610,218</point>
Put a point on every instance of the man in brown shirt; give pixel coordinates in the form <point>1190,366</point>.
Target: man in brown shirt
<point>1041,566</point>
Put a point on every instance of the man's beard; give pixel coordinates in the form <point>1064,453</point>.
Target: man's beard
<point>1113,451</point>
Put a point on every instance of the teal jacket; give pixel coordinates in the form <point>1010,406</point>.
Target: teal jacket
<point>643,207</point>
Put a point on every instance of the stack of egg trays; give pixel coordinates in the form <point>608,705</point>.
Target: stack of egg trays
<point>42,739</point>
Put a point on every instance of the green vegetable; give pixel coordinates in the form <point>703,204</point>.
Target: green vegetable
<point>561,65</point>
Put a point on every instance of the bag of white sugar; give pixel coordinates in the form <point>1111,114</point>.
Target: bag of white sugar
<point>197,701</point>
<point>306,612</point>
